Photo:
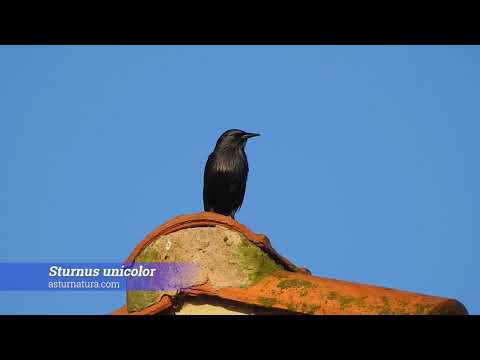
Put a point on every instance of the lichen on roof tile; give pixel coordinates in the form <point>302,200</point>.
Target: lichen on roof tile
<point>225,258</point>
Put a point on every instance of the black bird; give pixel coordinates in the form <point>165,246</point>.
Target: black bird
<point>226,172</point>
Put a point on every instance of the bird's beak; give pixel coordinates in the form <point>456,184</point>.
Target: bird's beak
<point>249,135</point>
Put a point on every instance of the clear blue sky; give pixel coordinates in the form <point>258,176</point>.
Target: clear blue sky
<point>367,168</point>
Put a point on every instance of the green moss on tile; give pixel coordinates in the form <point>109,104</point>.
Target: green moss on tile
<point>267,302</point>
<point>308,308</point>
<point>303,293</point>
<point>311,308</point>
<point>294,283</point>
<point>332,295</point>
<point>385,309</point>
<point>280,275</point>
<point>148,254</point>
<point>422,309</point>
<point>255,263</point>
<point>139,300</point>
<point>345,301</point>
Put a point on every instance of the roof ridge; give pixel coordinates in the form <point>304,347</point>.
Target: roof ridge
<point>294,289</point>
<point>182,222</point>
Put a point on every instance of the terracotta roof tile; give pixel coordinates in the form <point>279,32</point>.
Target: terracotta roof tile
<point>295,289</point>
<point>211,219</point>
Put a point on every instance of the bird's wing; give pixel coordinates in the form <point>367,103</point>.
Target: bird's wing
<point>223,191</point>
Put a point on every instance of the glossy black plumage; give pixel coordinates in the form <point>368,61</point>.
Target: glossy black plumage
<point>226,173</point>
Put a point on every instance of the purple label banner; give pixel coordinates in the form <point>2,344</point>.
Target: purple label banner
<point>151,276</point>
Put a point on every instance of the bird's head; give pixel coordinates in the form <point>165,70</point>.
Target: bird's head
<point>234,139</point>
